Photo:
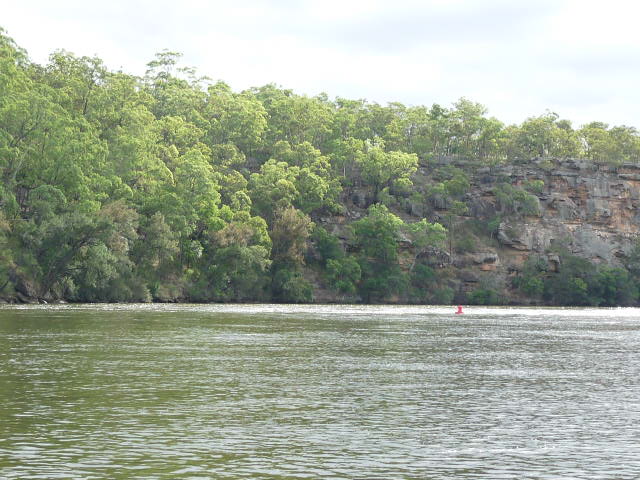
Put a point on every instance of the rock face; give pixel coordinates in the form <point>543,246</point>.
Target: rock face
<point>590,210</point>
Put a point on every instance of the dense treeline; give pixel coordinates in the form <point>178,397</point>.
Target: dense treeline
<point>171,187</point>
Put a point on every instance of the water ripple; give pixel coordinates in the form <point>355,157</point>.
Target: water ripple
<point>273,391</point>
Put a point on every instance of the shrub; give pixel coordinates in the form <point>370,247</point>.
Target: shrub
<point>344,274</point>
<point>464,244</point>
<point>534,186</point>
<point>484,296</point>
<point>328,245</point>
<point>290,286</point>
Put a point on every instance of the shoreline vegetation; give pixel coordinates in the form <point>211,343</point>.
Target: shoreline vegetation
<point>173,188</point>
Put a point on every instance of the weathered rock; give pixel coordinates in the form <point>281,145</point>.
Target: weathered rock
<point>516,236</point>
<point>629,176</point>
<point>416,209</point>
<point>359,199</point>
<point>481,207</point>
<point>468,276</point>
<point>25,299</point>
<point>438,202</point>
<point>24,287</point>
<point>485,257</point>
<point>565,208</point>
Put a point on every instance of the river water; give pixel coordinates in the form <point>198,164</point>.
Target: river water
<point>326,392</point>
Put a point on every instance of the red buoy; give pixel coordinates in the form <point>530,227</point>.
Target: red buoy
<point>459,310</point>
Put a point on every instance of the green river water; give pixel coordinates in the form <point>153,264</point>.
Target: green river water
<point>326,392</point>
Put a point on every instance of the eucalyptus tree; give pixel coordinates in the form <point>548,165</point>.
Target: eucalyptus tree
<point>289,233</point>
<point>377,237</point>
<point>382,169</point>
<point>235,118</point>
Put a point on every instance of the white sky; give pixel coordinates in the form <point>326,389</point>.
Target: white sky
<point>579,58</point>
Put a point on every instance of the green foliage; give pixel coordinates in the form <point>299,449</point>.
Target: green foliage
<point>377,238</point>
<point>609,145</point>
<point>578,282</point>
<point>344,274</point>
<point>236,119</point>
<point>425,235</point>
<point>172,188</point>
<point>515,201</point>
<point>452,184</point>
<point>570,285</point>
<point>376,235</point>
<point>290,287</point>
<point>302,181</point>
<point>534,186</point>
<point>273,188</point>
<point>426,286</point>
<point>6,255</point>
<point>483,227</point>
<point>382,169</point>
<point>289,233</point>
<point>484,296</point>
<point>456,186</point>
<point>464,243</point>
<point>543,136</point>
<point>613,287</point>
<point>423,276</point>
<point>531,280</point>
<point>238,260</point>
<point>327,245</point>
<point>632,263</point>
<point>533,287</point>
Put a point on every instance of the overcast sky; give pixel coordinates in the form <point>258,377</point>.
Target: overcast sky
<point>579,58</point>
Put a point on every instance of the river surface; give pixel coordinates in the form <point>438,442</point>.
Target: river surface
<point>318,392</point>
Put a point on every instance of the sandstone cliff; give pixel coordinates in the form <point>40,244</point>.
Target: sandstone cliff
<point>589,209</point>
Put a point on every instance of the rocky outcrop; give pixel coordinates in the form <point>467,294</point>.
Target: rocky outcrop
<point>589,209</point>
<point>592,211</point>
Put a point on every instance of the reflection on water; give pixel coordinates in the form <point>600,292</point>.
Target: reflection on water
<point>263,391</point>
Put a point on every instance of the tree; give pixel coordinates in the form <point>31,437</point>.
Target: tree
<point>456,209</point>
<point>273,188</point>
<point>238,119</point>
<point>156,255</point>
<point>279,185</point>
<point>289,233</point>
<point>425,235</point>
<point>294,118</point>
<point>75,79</point>
<point>170,187</point>
<point>532,277</point>
<point>239,260</point>
<point>344,274</point>
<point>382,169</point>
<point>173,95</point>
<point>543,136</point>
<point>465,127</point>
<point>327,245</point>
<point>570,285</point>
<point>65,246</point>
<point>6,255</point>
<point>376,237</point>
<point>613,287</point>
